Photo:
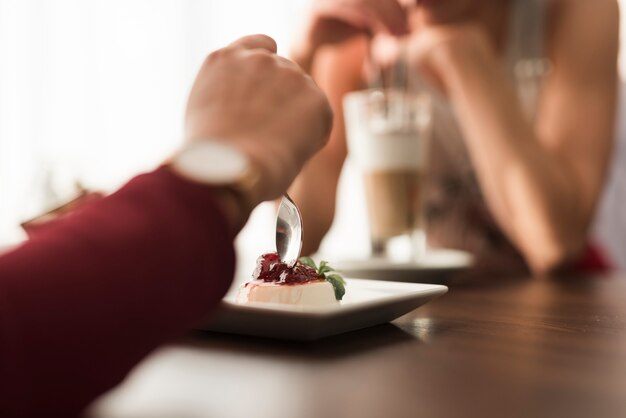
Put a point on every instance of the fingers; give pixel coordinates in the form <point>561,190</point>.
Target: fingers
<point>287,63</point>
<point>372,15</point>
<point>391,15</point>
<point>357,16</point>
<point>265,43</point>
<point>256,42</point>
<point>427,41</point>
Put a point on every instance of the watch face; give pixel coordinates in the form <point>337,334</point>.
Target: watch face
<point>211,162</point>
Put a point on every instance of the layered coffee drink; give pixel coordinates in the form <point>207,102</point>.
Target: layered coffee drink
<point>386,137</point>
<point>393,204</point>
<point>391,164</point>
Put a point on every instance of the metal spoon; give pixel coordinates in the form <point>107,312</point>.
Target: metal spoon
<point>288,231</point>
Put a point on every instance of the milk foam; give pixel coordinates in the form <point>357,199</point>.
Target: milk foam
<point>386,152</point>
<point>385,133</point>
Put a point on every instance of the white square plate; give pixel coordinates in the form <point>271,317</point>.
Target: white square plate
<point>366,303</point>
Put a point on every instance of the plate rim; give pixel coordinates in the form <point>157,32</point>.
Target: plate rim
<point>324,311</point>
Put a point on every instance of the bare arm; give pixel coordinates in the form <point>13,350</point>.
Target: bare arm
<point>337,71</point>
<point>332,48</point>
<point>542,183</point>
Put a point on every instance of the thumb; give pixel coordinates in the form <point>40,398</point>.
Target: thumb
<point>255,42</point>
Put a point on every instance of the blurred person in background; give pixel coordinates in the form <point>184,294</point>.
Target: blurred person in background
<point>94,291</point>
<point>524,97</point>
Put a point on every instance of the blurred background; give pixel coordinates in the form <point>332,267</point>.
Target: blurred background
<point>93,92</point>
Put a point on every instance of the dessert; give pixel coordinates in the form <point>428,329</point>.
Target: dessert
<point>303,284</point>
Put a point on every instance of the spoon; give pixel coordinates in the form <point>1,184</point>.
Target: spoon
<point>288,231</point>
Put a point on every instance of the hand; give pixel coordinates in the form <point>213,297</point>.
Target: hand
<point>264,105</point>
<point>439,53</point>
<point>334,21</point>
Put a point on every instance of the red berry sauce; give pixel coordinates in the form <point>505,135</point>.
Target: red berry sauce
<point>269,268</point>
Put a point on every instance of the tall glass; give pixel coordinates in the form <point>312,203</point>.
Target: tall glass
<point>387,138</point>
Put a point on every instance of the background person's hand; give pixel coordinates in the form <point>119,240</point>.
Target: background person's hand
<point>439,52</point>
<point>334,21</point>
<point>262,104</point>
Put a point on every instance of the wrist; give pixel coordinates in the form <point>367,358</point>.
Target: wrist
<point>456,62</point>
<point>235,212</point>
<point>227,171</point>
<point>226,203</point>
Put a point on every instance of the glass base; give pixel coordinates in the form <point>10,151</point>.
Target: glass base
<point>403,248</point>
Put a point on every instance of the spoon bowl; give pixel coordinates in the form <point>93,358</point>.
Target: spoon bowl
<point>288,231</point>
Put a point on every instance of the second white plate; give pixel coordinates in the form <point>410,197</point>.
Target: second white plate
<point>437,266</point>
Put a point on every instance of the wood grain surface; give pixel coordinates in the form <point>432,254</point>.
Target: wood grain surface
<point>512,348</point>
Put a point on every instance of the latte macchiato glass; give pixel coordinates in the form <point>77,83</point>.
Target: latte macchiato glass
<point>387,138</point>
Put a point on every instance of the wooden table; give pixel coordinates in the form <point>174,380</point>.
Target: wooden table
<point>515,348</point>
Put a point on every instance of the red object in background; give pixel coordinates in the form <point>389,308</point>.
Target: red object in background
<point>94,292</point>
<point>592,260</point>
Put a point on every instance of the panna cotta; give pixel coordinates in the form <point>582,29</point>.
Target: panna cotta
<point>319,292</point>
<point>303,284</point>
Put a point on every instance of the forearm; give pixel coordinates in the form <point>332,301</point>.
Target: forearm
<point>304,49</point>
<point>315,191</point>
<point>87,299</point>
<point>315,187</point>
<point>530,191</point>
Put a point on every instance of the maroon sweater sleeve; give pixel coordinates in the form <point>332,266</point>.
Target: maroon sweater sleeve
<point>85,300</point>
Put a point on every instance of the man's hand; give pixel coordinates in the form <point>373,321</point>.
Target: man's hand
<point>262,104</point>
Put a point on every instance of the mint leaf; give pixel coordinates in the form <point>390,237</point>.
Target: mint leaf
<point>338,284</point>
<point>308,261</point>
<point>325,268</point>
<point>337,277</point>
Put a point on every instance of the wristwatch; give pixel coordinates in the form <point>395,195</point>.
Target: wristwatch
<point>220,165</point>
